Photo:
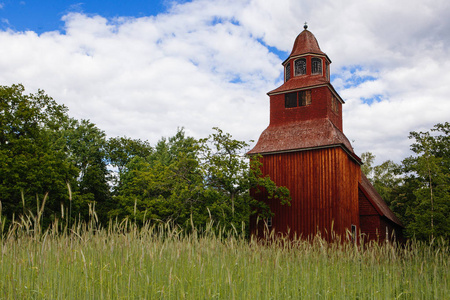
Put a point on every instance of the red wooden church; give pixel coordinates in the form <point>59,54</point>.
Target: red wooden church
<point>304,148</point>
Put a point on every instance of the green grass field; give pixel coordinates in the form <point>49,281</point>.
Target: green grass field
<point>160,262</point>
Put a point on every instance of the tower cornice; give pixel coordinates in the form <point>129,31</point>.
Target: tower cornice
<point>306,54</point>
<point>280,90</point>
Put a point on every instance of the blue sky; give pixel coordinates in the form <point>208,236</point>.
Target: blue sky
<point>144,68</point>
<point>44,16</point>
<point>41,16</point>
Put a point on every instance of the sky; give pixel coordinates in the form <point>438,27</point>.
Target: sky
<point>143,69</point>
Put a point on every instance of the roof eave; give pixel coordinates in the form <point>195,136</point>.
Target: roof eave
<point>350,153</point>
<point>272,93</point>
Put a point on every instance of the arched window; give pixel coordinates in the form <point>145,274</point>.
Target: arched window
<point>316,66</point>
<point>300,67</point>
<point>287,72</point>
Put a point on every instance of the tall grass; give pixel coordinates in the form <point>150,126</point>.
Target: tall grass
<point>161,262</point>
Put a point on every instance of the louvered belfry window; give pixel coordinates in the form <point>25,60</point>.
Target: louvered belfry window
<point>300,67</point>
<point>287,72</point>
<point>296,99</point>
<point>316,66</point>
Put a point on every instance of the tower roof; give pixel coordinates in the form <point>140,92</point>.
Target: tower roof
<point>305,43</point>
<point>302,135</point>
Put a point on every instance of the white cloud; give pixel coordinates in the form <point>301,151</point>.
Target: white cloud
<point>201,64</point>
<point>145,77</point>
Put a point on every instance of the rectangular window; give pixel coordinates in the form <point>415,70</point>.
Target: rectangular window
<point>269,222</point>
<point>301,98</point>
<point>304,98</point>
<point>290,100</point>
<point>334,104</point>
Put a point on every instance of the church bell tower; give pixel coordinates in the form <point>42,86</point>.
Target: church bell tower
<point>304,149</point>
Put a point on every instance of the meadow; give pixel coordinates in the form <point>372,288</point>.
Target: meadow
<point>160,261</point>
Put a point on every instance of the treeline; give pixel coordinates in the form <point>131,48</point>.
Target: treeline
<point>65,169</point>
<point>418,188</point>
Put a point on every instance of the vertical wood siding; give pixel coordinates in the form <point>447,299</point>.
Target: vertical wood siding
<point>373,225</point>
<point>324,189</point>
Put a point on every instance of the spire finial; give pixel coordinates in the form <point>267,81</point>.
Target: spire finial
<point>305,26</point>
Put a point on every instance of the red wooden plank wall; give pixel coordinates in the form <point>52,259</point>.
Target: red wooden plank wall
<point>324,189</point>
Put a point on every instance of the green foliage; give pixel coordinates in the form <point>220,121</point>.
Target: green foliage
<point>86,151</point>
<point>229,171</point>
<point>32,151</point>
<point>428,171</point>
<point>164,186</point>
<point>121,150</point>
<point>227,178</point>
<point>192,183</point>
<point>418,190</point>
<point>367,159</point>
<point>386,179</point>
<point>44,152</point>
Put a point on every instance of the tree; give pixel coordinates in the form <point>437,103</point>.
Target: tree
<point>428,175</point>
<point>33,159</point>
<point>385,178</point>
<point>86,150</point>
<point>187,182</point>
<point>45,152</point>
<point>367,159</point>
<point>230,175</point>
<point>225,167</point>
<point>165,185</point>
<point>121,150</point>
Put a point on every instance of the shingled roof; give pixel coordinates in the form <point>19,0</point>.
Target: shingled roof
<point>301,135</point>
<point>306,43</point>
<point>294,83</point>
